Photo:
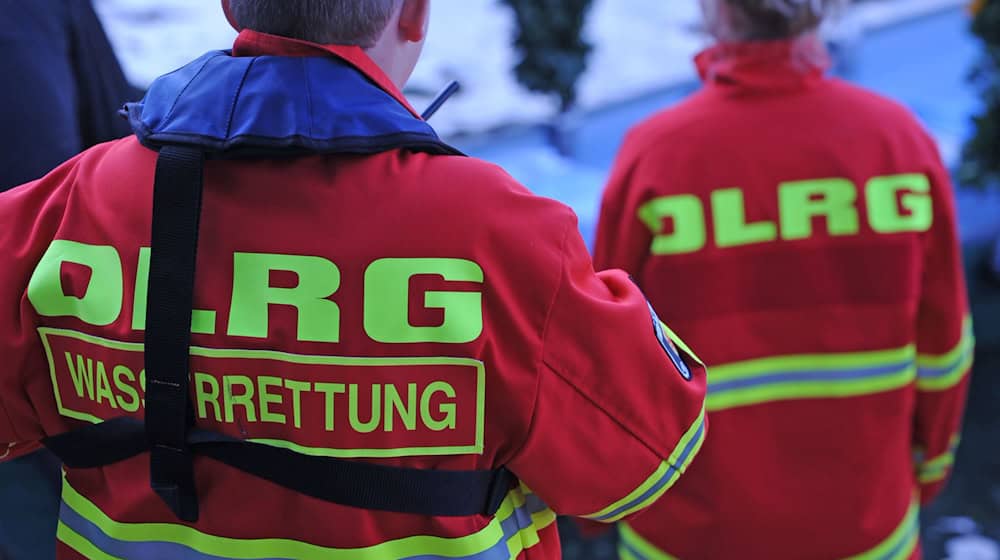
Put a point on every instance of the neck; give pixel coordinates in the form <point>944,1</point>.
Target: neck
<point>389,61</point>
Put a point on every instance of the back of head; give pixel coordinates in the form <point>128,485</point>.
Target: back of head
<point>340,22</point>
<point>761,20</point>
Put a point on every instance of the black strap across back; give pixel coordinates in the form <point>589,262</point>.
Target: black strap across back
<point>169,434</point>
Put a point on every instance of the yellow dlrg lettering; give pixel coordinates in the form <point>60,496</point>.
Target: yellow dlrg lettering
<point>688,216</point>
<point>833,199</point>
<point>730,220</point>
<point>101,303</point>
<point>387,301</point>
<point>895,204</point>
<point>386,295</point>
<point>318,317</point>
<point>202,321</point>
<point>888,197</point>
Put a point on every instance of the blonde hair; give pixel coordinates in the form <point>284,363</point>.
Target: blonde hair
<point>749,20</point>
<point>340,22</point>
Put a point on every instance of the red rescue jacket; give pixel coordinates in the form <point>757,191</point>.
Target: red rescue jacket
<point>810,226</point>
<point>400,308</point>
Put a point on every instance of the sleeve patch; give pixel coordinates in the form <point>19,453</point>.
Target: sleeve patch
<point>668,346</point>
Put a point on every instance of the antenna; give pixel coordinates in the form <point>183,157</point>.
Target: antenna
<point>446,93</point>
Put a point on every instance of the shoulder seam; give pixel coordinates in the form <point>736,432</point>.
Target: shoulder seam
<point>545,329</point>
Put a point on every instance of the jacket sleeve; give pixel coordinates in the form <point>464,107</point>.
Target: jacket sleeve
<point>29,214</point>
<point>619,414</point>
<point>622,239</point>
<point>944,345</point>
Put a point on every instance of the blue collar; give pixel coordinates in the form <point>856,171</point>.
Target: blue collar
<point>275,106</point>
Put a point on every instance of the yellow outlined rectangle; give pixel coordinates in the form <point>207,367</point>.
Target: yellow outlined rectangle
<point>475,448</point>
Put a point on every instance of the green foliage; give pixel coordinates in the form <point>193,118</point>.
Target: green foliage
<point>550,43</point>
<point>981,156</point>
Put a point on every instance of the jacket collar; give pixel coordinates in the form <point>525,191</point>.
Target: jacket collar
<point>255,43</point>
<point>302,99</point>
<point>784,65</point>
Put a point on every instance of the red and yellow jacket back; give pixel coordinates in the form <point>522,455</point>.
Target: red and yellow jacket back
<point>801,233</point>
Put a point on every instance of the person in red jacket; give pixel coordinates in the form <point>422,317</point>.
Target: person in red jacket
<point>811,225</point>
<point>285,320</point>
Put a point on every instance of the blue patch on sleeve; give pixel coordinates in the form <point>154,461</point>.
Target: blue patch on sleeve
<point>668,346</point>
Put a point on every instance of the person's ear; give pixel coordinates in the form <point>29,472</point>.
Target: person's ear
<point>229,15</point>
<point>413,19</point>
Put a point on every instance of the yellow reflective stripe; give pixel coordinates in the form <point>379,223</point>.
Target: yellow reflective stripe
<point>946,379</point>
<point>940,372</point>
<point>803,376</point>
<point>938,360</point>
<point>944,460</point>
<point>637,547</point>
<point>662,479</point>
<point>528,536</point>
<point>900,544</point>
<point>937,468</point>
<point>681,457</point>
<point>74,540</point>
<point>249,549</point>
<point>657,475</point>
<point>930,477</point>
<point>811,390</point>
<point>680,343</point>
<point>625,554</point>
<point>812,362</point>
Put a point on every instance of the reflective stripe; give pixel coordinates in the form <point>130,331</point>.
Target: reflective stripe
<point>681,344</point>
<point>86,529</point>
<point>898,546</point>
<point>944,371</point>
<point>937,468</point>
<point>809,376</point>
<point>662,479</point>
<point>632,546</point>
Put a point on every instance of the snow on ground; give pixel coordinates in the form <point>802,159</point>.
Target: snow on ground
<point>640,46</point>
<point>968,543</point>
<point>153,37</point>
<point>972,547</point>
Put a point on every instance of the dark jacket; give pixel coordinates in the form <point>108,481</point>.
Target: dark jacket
<point>63,86</point>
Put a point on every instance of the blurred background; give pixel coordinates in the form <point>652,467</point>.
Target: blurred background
<point>554,115</point>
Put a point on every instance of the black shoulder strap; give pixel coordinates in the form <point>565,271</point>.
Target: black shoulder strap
<point>177,195</point>
<point>168,433</point>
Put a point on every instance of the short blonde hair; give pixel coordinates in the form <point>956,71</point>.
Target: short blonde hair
<point>337,22</point>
